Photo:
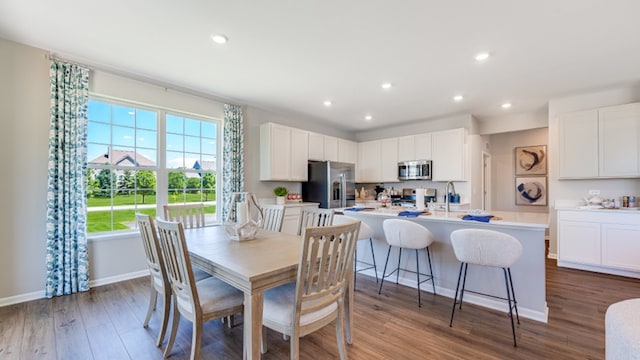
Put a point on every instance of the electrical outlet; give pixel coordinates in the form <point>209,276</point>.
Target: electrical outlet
<point>594,192</point>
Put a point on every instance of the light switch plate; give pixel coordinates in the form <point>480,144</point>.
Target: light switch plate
<point>594,192</point>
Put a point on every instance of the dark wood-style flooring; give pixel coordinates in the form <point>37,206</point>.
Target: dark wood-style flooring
<point>106,323</point>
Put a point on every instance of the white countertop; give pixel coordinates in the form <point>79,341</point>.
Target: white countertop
<point>506,218</point>
<point>633,210</point>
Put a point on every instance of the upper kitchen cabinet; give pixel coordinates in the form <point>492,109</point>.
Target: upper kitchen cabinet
<point>330,148</point>
<point>389,160</point>
<point>347,151</point>
<point>283,153</point>
<point>369,162</point>
<point>448,152</point>
<point>609,135</point>
<point>316,146</point>
<point>414,147</point>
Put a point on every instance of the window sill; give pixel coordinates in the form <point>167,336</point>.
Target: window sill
<point>113,236</point>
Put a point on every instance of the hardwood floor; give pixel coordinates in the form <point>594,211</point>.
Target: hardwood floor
<point>106,323</point>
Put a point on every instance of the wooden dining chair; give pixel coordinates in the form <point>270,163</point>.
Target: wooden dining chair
<point>314,217</point>
<point>159,279</point>
<point>317,297</point>
<point>190,215</point>
<point>200,301</point>
<point>272,217</point>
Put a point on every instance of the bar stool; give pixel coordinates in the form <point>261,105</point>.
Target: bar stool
<point>405,234</point>
<point>486,248</point>
<point>365,233</point>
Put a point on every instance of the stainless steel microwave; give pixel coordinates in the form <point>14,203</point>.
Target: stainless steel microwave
<point>414,170</point>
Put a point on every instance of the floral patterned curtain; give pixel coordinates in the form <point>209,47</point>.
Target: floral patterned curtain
<point>67,258</point>
<point>233,155</point>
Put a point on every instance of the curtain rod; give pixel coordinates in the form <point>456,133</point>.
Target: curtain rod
<point>51,56</point>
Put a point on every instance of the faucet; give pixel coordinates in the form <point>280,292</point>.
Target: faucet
<point>446,195</point>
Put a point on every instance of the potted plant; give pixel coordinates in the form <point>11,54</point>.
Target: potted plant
<point>280,192</point>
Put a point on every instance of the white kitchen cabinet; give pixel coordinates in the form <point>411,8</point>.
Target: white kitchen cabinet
<point>389,160</point>
<point>299,154</point>
<point>414,147</point>
<point>578,145</point>
<point>291,218</point>
<point>283,153</point>
<point>330,148</point>
<point>369,162</point>
<point>448,150</point>
<point>619,140</point>
<point>347,151</point>
<point>600,143</point>
<point>316,146</point>
<point>606,241</point>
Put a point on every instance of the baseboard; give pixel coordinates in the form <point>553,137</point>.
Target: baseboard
<point>553,256</point>
<point>92,283</point>
<point>471,298</point>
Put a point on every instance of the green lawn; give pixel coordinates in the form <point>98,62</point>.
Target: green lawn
<point>148,199</point>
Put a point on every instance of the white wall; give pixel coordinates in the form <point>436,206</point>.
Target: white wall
<point>578,189</point>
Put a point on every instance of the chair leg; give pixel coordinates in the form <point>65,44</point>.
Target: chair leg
<point>263,343</point>
<point>464,283</point>
<point>373,258</point>
<point>355,265</point>
<point>398,268</point>
<point>174,329</point>
<point>513,295</point>
<point>455,297</point>
<point>433,282</point>
<point>384,272</point>
<point>340,325</point>
<point>153,298</point>
<point>506,283</point>
<point>294,347</point>
<point>418,278</point>
<point>166,307</point>
<point>196,338</point>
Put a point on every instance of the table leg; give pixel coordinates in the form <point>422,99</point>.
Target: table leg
<point>252,324</point>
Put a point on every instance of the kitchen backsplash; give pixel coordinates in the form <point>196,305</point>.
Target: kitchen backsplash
<point>461,188</point>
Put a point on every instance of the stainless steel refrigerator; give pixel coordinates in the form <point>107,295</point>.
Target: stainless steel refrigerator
<point>331,183</point>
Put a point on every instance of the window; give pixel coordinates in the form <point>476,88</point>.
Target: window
<point>140,158</point>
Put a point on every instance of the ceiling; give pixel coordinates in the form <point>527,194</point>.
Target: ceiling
<point>290,56</point>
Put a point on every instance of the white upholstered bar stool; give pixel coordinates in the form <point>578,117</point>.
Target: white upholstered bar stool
<point>486,248</point>
<point>366,233</point>
<point>405,234</point>
<point>622,330</point>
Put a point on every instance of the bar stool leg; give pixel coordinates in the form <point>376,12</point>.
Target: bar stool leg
<point>384,272</point>
<point>373,257</point>
<point>418,278</point>
<point>455,297</point>
<point>464,282</point>
<point>513,294</point>
<point>398,268</point>
<point>506,283</point>
<point>433,282</point>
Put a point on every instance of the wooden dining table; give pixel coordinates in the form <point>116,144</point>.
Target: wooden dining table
<point>252,266</point>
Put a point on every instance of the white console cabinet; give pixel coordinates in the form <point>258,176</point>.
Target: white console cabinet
<point>606,241</point>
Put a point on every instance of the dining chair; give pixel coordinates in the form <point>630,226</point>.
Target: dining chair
<point>317,297</point>
<point>200,301</point>
<point>190,215</point>
<point>159,279</point>
<point>272,217</point>
<point>314,217</point>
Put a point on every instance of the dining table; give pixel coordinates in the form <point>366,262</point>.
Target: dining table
<point>268,260</point>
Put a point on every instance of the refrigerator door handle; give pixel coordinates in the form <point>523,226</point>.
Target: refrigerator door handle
<point>343,187</point>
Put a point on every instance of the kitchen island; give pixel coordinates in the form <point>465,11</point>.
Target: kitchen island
<point>528,272</point>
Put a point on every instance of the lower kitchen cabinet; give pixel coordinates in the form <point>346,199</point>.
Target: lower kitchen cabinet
<point>606,241</point>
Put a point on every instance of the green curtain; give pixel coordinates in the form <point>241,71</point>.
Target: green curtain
<point>67,258</point>
<point>233,155</point>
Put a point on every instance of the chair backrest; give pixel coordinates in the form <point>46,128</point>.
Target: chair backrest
<point>406,234</point>
<point>325,261</point>
<point>485,247</point>
<point>365,231</point>
<point>179,271</point>
<point>315,218</point>
<point>272,217</point>
<point>155,260</point>
<point>190,215</point>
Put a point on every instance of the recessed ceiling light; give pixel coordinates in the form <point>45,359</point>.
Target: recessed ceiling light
<point>506,105</point>
<point>219,39</point>
<point>327,103</point>
<point>458,98</point>
<point>368,117</point>
<point>482,56</point>
<point>386,85</point>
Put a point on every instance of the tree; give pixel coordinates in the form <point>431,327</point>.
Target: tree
<point>93,186</point>
<point>126,183</point>
<point>146,183</point>
<point>193,185</point>
<point>208,185</point>
<point>176,180</point>
<point>105,180</point>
